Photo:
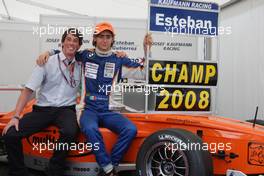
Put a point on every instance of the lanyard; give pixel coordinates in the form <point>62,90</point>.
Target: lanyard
<point>72,81</point>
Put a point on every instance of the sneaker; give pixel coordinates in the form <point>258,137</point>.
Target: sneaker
<point>112,173</point>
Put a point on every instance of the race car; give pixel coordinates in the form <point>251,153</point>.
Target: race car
<point>166,145</point>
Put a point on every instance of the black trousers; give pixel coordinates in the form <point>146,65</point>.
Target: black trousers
<point>41,117</point>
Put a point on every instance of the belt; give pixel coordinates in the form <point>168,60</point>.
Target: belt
<point>52,108</point>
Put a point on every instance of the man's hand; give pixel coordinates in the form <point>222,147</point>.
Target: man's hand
<point>12,122</point>
<point>148,40</point>
<point>142,63</point>
<point>147,44</point>
<point>43,58</point>
<point>91,49</point>
<point>79,109</point>
<point>120,54</point>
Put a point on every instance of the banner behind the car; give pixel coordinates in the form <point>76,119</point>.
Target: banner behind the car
<point>187,81</point>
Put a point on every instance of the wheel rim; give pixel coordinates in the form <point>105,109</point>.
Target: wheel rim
<point>162,160</point>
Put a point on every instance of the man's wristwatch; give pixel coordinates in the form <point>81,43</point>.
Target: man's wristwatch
<point>16,117</point>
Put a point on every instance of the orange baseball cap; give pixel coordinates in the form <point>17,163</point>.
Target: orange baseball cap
<point>100,27</point>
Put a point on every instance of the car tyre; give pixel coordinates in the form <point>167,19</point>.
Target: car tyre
<point>168,153</point>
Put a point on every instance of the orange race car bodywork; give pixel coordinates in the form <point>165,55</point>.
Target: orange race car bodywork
<point>241,145</point>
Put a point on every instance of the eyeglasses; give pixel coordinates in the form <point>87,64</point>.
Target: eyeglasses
<point>101,36</point>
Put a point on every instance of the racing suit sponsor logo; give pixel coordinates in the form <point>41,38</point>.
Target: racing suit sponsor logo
<point>109,70</point>
<point>91,70</point>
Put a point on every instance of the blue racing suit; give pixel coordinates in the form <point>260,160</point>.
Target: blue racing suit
<point>99,74</point>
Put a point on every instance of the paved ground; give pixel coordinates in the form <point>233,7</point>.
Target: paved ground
<point>4,168</point>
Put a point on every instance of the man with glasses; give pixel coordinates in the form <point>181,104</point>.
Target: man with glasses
<point>58,82</point>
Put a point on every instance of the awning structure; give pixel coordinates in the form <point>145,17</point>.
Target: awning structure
<point>30,10</point>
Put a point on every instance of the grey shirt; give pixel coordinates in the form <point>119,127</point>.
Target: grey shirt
<point>54,89</point>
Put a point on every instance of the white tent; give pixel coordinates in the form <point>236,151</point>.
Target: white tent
<point>29,10</point>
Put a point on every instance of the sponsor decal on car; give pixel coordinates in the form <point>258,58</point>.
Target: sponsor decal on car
<point>256,154</point>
